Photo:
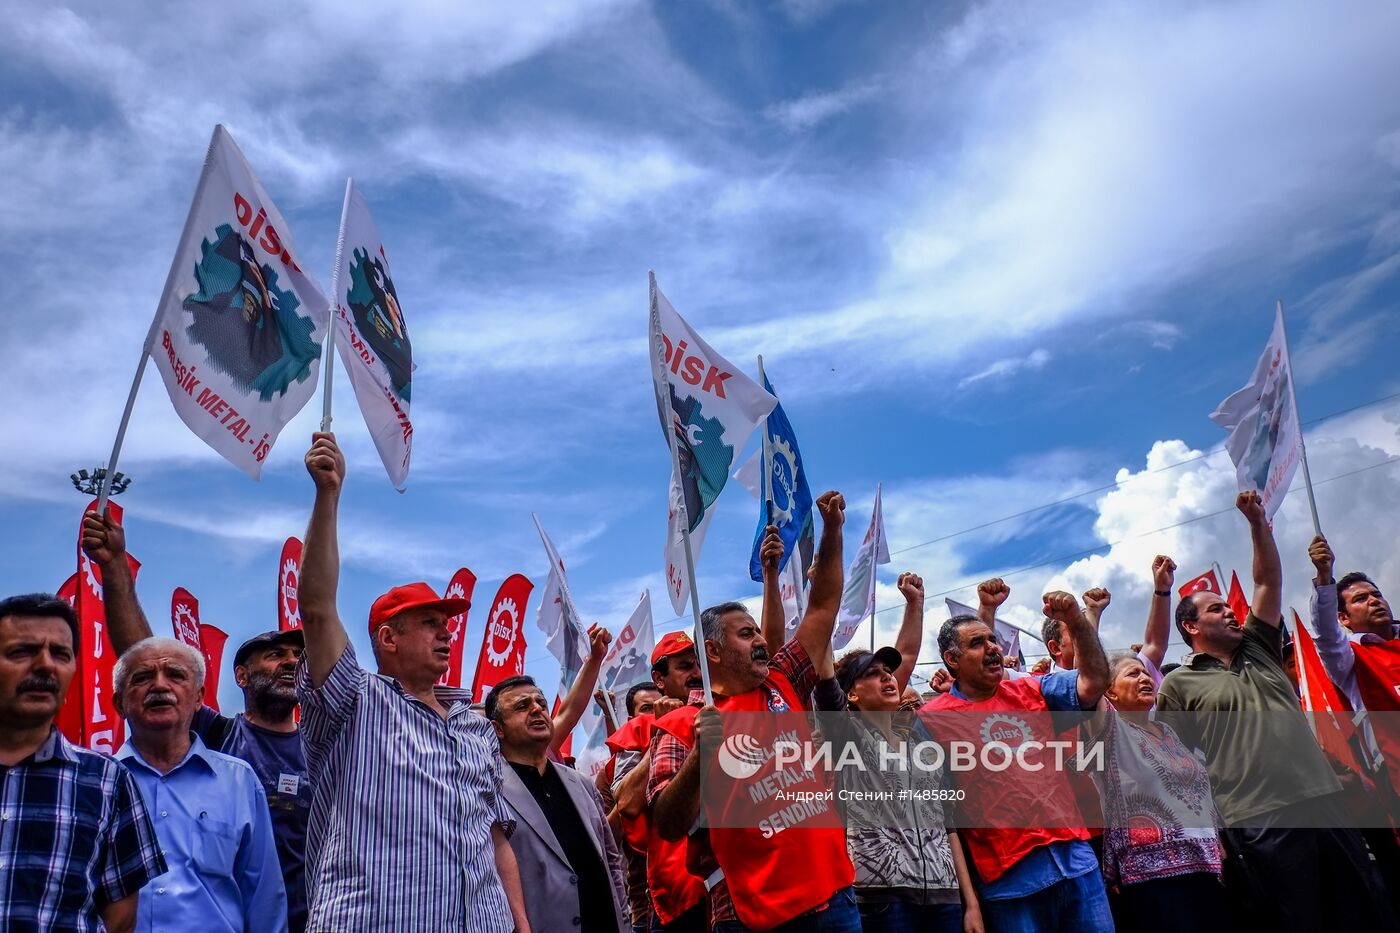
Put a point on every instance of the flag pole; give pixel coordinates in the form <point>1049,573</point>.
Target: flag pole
<point>874,565</point>
<point>328,355</point>
<point>1220,578</point>
<point>175,265</point>
<point>664,408</point>
<point>765,486</point>
<point>1297,413</point>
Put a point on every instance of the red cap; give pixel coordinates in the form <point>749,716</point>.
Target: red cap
<point>671,643</point>
<point>411,596</point>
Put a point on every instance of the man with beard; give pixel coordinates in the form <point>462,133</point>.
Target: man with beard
<point>265,734</point>
<point>209,810</point>
<point>76,843</point>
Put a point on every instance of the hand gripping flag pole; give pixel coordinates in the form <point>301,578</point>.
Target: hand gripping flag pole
<point>328,356</point>
<point>106,489</point>
<point>1302,442</point>
<point>662,387</point>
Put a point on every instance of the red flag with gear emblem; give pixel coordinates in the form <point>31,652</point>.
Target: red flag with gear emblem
<point>288,580</point>
<point>70,716</point>
<point>503,642</point>
<point>211,645</point>
<point>184,616</point>
<point>461,586</point>
<point>101,729</point>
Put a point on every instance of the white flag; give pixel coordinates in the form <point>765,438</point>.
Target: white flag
<point>372,336</point>
<point>559,619</point>
<point>1265,442</point>
<point>628,663</point>
<point>712,408</point>
<point>858,599</point>
<point>1008,636</point>
<point>237,334</point>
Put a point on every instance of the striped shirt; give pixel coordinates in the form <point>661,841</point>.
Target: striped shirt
<point>74,837</point>
<point>399,837</point>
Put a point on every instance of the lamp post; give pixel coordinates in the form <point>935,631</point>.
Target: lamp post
<point>91,483</point>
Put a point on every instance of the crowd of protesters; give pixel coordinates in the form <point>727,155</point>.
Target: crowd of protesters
<point>1196,797</point>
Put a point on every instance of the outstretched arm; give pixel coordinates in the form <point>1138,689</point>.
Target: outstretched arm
<point>1159,611</point>
<point>576,700</point>
<point>773,625</point>
<point>105,543</point>
<point>1267,604</point>
<point>911,630</point>
<point>320,561</point>
<point>828,577</point>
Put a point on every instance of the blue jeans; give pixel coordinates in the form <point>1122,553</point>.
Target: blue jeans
<point>840,916</point>
<point>1079,904</point>
<point>902,917</point>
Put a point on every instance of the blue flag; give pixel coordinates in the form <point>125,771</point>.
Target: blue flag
<point>784,483</point>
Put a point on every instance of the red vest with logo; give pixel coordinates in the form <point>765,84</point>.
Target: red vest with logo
<point>779,871</point>
<point>1377,669</point>
<point>1026,804</point>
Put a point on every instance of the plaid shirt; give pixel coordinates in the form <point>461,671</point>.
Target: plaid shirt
<point>74,837</point>
<point>668,753</point>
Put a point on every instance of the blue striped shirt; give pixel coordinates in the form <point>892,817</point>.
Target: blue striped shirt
<point>400,831</point>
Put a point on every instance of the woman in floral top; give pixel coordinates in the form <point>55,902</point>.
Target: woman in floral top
<point>1162,852</point>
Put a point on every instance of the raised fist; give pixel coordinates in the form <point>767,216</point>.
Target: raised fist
<point>832,506</point>
<point>1060,606</point>
<point>1163,572</point>
<point>325,463</point>
<point>993,592</point>
<point>942,681</point>
<point>770,553</point>
<point>1096,600</point>
<point>103,539</point>
<point>1251,506</point>
<point>912,586</point>
<point>598,640</point>
<point>1319,552</point>
<point>665,705</point>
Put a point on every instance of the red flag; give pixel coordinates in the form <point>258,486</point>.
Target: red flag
<point>1238,604</point>
<point>70,716</point>
<point>211,645</point>
<point>288,581</point>
<point>566,750</point>
<point>1205,583</point>
<point>461,587</point>
<point>184,616</point>
<point>503,642</point>
<point>1329,718</point>
<point>102,730</point>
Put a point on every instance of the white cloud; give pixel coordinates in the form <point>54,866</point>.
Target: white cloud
<point>1006,368</point>
<point>803,113</point>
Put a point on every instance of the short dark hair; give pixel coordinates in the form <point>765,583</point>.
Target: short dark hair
<point>1050,630</point>
<point>1350,580</point>
<point>711,624</point>
<point>38,605</point>
<point>1186,611</point>
<point>662,665</point>
<point>948,634</point>
<point>635,689</point>
<point>493,699</point>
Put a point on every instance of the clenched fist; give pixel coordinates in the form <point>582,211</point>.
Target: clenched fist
<point>1163,572</point>
<point>832,506</point>
<point>1096,600</point>
<point>1060,606</point>
<point>770,553</point>
<point>992,593</point>
<point>103,539</point>
<point>1319,552</point>
<point>325,463</point>
<point>912,586</point>
<point>1250,506</point>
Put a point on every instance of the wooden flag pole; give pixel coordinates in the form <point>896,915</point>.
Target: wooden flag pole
<point>1297,413</point>
<point>328,355</point>
<point>664,402</point>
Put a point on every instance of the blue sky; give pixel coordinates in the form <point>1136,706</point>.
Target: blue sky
<point>993,254</point>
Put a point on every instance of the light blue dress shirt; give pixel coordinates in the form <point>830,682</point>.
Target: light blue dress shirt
<point>212,820</point>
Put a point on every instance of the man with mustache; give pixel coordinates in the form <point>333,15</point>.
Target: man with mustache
<point>76,843</point>
<point>1023,825</point>
<point>208,808</point>
<point>570,864</point>
<point>265,734</point>
<point>787,866</point>
<point>1275,792</point>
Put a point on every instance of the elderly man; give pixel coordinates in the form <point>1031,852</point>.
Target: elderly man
<point>570,865</point>
<point>1274,789</point>
<point>407,831</point>
<point>794,872</point>
<point>1035,867</point>
<point>209,810</point>
<point>76,844</point>
<point>264,735</point>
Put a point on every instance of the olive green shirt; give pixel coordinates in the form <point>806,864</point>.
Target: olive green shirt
<point>1247,720</point>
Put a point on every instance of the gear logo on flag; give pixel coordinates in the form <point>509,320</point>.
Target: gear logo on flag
<point>375,303</point>
<point>502,632</point>
<point>247,325</point>
<point>185,621</point>
<point>783,480</point>
<point>90,578</point>
<point>704,456</point>
<point>291,605</point>
<point>454,624</point>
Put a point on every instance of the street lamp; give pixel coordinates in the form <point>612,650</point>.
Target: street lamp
<point>91,483</point>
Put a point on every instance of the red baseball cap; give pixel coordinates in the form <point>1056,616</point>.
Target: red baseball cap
<point>671,643</point>
<point>411,596</point>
